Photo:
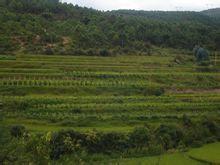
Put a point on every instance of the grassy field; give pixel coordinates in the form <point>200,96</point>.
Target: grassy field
<point>167,159</point>
<point>48,93</point>
<point>209,154</point>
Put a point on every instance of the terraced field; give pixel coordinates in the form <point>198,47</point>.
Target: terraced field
<point>49,93</point>
<point>209,154</point>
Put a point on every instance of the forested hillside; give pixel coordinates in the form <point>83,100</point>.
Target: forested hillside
<point>51,27</point>
<point>212,12</point>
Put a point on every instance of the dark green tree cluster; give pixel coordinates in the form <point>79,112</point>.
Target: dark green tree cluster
<point>37,26</point>
<point>201,54</point>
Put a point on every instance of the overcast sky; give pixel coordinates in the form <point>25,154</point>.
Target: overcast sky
<point>195,5</point>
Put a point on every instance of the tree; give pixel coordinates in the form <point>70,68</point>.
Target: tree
<point>16,5</point>
<point>6,45</point>
<point>201,54</point>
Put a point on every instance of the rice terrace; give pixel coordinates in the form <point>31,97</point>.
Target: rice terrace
<point>81,93</point>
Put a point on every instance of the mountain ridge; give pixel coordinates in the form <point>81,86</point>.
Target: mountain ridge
<point>215,12</point>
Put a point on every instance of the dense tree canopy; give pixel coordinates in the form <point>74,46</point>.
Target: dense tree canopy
<point>36,25</point>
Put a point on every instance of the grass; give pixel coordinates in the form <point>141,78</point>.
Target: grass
<point>167,159</point>
<point>208,154</point>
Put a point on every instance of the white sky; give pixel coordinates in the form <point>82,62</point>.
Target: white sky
<point>195,5</point>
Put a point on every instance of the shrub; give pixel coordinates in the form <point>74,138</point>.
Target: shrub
<point>113,142</point>
<point>78,52</point>
<point>49,51</point>
<point>140,137</point>
<point>155,149</point>
<point>50,38</point>
<point>38,146</point>
<point>91,52</point>
<point>104,53</point>
<point>211,126</point>
<point>204,63</point>
<point>66,142</point>
<point>186,121</point>
<point>169,136</point>
<point>17,131</point>
<point>194,134</point>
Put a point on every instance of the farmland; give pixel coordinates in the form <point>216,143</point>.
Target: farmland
<point>210,152</point>
<point>88,82</point>
<point>111,93</point>
<point>105,94</point>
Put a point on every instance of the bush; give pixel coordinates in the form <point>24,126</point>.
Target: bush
<point>50,38</point>
<point>91,52</point>
<point>66,142</point>
<point>211,126</point>
<point>17,131</point>
<point>113,142</point>
<point>38,146</point>
<point>49,51</point>
<point>104,53</point>
<point>155,149</point>
<point>78,52</point>
<point>196,133</point>
<point>187,121</point>
<point>142,140</point>
<point>204,63</point>
<point>140,137</point>
<point>169,136</point>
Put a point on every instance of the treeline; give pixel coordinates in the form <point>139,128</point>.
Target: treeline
<point>146,140</point>
<point>212,13</point>
<point>51,27</point>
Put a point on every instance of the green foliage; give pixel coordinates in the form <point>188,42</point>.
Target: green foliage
<point>169,136</point>
<point>37,148</point>
<point>208,154</point>
<point>6,45</point>
<point>112,95</point>
<point>140,137</point>
<point>187,121</point>
<point>49,51</point>
<point>66,142</point>
<point>104,53</point>
<point>201,54</point>
<point>17,131</point>
<point>164,138</point>
<point>51,21</point>
<point>212,126</point>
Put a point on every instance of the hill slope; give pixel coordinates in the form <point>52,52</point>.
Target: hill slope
<point>212,12</point>
<point>51,27</point>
